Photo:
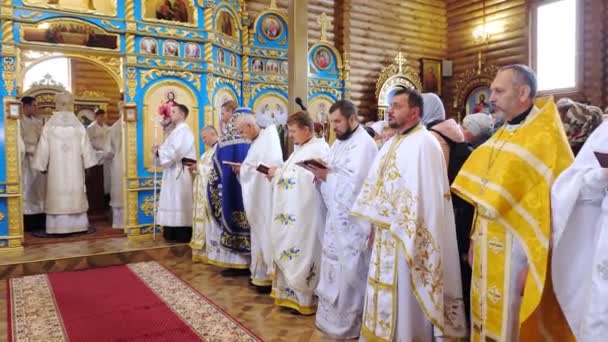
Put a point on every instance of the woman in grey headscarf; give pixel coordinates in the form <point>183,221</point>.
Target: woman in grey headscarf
<point>447,132</point>
<point>433,110</point>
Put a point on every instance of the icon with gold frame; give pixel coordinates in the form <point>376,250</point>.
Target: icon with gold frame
<point>13,109</point>
<point>272,28</point>
<point>130,111</point>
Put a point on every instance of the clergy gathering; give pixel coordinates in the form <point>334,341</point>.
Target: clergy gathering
<point>303,170</point>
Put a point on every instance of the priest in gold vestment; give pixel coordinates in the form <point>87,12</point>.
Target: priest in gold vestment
<point>205,231</point>
<point>413,290</point>
<point>508,179</point>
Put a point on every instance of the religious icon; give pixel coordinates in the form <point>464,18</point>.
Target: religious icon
<point>431,76</point>
<point>224,23</point>
<point>232,61</point>
<point>272,67</point>
<point>172,10</point>
<point>220,56</point>
<point>257,65</point>
<point>130,112</point>
<point>170,48</point>
<point>158,101</point>
<point>270,110</point>
<point>148,46</point>
<point>284,68</point>
<point>13,109</point>
<point>319,111</point>
<point>70,32</point>
<point>271,27</point>
<point>222,96</point>
<point>164,109</point>
<point>193,50</point>
<point>477,101</point>
<point>322,58</point>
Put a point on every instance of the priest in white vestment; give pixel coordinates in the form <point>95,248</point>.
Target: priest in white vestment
<point>579,208</point>
<point>97,132</point>
<point>205,230</point>
<point>175,203</point>
<point>345,253</point>
<point>414,290</point>
<point>64,151</point>
<point>34,182</point>
<point>265,150</point>
<point>298,220</point>
<point>113,150</point>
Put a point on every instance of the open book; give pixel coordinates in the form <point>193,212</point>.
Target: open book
<point>309,164</point>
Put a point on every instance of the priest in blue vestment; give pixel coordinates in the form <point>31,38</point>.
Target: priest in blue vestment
<point>230,246</point>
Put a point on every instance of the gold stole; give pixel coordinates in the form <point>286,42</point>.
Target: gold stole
<point>508,179</point>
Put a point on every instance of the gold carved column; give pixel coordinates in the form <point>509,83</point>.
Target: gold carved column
<point>298,53</point>
<point>129,132</point>
<point>11,191</point>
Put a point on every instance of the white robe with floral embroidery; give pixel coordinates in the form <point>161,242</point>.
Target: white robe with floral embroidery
<point>298,220</point>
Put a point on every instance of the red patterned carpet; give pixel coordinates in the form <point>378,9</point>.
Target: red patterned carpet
<point>136,302</point>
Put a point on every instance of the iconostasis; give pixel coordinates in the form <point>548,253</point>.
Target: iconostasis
<point>194,52</point>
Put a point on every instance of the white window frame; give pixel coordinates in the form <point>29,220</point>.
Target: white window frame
<point>578,55</point>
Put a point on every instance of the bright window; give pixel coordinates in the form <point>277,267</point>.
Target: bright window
<point>55,69</point>
<point>556,48</point>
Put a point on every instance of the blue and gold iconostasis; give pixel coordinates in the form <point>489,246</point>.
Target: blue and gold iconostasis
<point>194,52</point>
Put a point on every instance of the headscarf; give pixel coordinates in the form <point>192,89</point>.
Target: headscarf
<point>579,121</point>
<point>432,109</point>
<point>479,124</point>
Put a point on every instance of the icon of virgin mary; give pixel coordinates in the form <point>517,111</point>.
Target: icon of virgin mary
<point>173,10</point>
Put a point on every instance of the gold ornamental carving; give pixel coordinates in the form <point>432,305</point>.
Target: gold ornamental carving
<point>7,31</point>
<point>398,69</point>
<point>261,87</point>
<point>148,205</point>
<point>131,81</point>
<point>208,115</point>
<point>130,9</point>
<point>30,16</point>
<point>9,73</point>
<point>148,75</point>
<point>323,22</point>
<point>110,25</point>
<point>214,82</point>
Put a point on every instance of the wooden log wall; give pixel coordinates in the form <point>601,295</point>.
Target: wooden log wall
<point>373,32</point>
<point>315,8</point>
<point>511,45</point>
<point>88,76</point>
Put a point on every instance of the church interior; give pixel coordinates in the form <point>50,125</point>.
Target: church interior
<point>124,65</point>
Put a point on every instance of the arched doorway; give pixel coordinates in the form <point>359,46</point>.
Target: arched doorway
<point>93,87</point>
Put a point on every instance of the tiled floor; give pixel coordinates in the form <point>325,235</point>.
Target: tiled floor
<point>234,295</point>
